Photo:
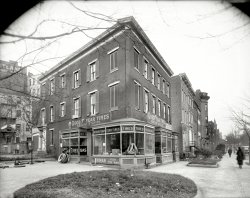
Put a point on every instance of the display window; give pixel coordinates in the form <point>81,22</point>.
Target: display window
<point>124,140</point>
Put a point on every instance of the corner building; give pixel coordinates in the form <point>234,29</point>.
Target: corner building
<point>109,102</point>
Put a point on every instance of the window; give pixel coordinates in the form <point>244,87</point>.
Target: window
<point>168,90</point>
<point>43,116</point>
<point>169,144</point>
<point>76,112</point>
<point>92,71</point>
<point>153,104</point>
<point>159,82</point>
<point>99,144</point>
<point>113,143</point>
<point>43,90</point>
<point>113,96</point>
<point>169,114</point>
<point>146,101</point>
<point>145,72</point>
<point>164,110</point>
<point>76,81</point>
<point>149,144</point>
<point>113,61</point>
<point>159,108</point>
<point>153,76</point>
<point>63,81</point>
<point>52,86</point>
<point>163,86</point>
<point>62,106</point>
<point>136,59</point>
<point>137,95</point>
<point>164,143</point>
<point>93,103</point>
<point>205,107</point>
<point>52,115</point>
<point>51,136</point>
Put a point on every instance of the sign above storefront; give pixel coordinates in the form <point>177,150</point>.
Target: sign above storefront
<point>155,120</point>
<point>89,121</point>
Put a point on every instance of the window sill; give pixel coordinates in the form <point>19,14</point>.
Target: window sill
<point>113,70</point>
<point>75,116</point>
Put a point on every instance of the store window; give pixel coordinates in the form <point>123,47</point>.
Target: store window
<point>149,143</point>
<point>127,140</point>
<point>99,144</point>
<point>113,144</point>
<point>169,144</point>
<point>139,142</point>
<point>164,143</point>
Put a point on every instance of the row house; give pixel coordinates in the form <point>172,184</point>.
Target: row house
<point>14,110</point>
<point>110,101</point>
<point>189,113</point>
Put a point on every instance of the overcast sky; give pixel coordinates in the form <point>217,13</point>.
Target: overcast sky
<point>209,41</point>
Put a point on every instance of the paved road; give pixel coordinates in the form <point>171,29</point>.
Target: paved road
<point>11,179</point>
<point>226,181</point>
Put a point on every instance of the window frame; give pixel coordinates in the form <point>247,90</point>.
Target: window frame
<point>113,85</point>
<point>78,81</point>
<point>79,107</point>
<point>138,61</point>
<point>153,76</point>
<point>153,104</point>
<point>137,99</point>
<point>92,65</point>
<point>63,80</point>
<point>146,92</point>
<point>52,113</point>
<point>145,67</point>
<point>113,54</point>
<point>52,88</point>
<point>64,111</point>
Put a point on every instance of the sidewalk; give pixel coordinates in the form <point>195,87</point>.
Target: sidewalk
<point>11,179</point>
<point>226,181</point>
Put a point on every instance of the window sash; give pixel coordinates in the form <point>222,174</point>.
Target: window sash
<point>92,71</point>
<point>113,60</point>
<point>153,76</point>
<point>146,102</point>
<point>76,79</point>
<point>76,107</point>
<point>63,81</point>
<point>63,109</point>
<point>93,103</point>
<point>52,86</point>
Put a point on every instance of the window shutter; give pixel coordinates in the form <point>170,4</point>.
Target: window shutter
<point>88,74</point>
<point>88,104</point>
<point>97,68</point>
<point>97,101</point>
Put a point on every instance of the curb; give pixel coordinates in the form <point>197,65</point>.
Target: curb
<point>204,165</point>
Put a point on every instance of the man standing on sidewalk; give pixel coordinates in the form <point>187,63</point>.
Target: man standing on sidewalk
<point>230,152</point>
<point>240,157</point>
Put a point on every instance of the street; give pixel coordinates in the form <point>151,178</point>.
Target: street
<point>226,181</point>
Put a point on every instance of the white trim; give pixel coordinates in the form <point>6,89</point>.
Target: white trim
<point>52,129</point>
<point>76,97</point>
<point>92,91</point>
<point>153,95</point>
<point>113,83</point>
<point>151,54</point>
<point>43,108</point>
<point>146,89</point>
<point>93,61</point>
<point>144,57</point>
<point>136,49</point>
<point>43,83</point>
<point>62,74</point>
<point>62,102</point>
<point>137,83</point>
<point>113,50</point>
<point>71,62</point>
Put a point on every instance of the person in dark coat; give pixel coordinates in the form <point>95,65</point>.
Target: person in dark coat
<point>229,152</point>
<point>240,157</point>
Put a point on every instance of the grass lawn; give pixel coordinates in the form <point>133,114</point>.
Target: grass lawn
<point>111,183</point>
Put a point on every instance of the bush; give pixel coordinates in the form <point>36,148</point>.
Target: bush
<point>204,152</point>
<point>221,147</point>
<point>219,153</point>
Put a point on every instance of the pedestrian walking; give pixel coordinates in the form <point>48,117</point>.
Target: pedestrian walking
<point>229,152</point>
<point>240,157</point>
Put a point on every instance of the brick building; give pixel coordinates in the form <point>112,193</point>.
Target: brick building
<point>14,108</point>
<point>109,102</point>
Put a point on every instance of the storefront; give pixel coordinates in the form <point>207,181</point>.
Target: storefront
<point>77,142</point>
<point>124,143</point>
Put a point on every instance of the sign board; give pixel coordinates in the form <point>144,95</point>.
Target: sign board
<point>139,128</point>
<point>107,160</point>
<point>89,121</point>
<point>113,129</point>
<point>155,120</point>
<point>128,128</point>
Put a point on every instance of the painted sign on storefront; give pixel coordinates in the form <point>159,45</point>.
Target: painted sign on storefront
<point>89,121</point>
<point>155,120</point>
<point>107,160</point>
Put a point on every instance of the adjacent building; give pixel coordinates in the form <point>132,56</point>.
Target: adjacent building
<point>14,108</point>
<point>110,102</point>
